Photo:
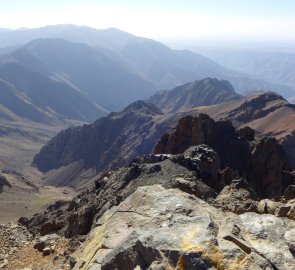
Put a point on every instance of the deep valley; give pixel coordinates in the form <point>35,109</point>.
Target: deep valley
<point>119,152</point>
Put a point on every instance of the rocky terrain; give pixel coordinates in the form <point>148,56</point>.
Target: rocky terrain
<point>157,228</point>
<point>194,204</point>
<point>199,93</point>
<point>12,238</point>
<point>25,194</point>
<point>19,250</point>
<point>115,140</point>
<point>197,177</point>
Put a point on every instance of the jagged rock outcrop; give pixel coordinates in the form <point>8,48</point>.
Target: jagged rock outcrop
<point>201,157</point>
<point>288,143</point>
<point>157,228</point>
<point>268,113</point>
<point>195,172</point>
<point>183,211</point>
<point>198,171</point>
<point>262,162</point>
<point>204,92</point>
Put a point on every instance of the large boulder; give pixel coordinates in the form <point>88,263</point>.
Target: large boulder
<point>158,228</point>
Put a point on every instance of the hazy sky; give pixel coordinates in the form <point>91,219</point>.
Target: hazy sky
<point>174,19</point>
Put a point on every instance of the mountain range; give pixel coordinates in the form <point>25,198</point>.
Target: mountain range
<point>115,140</point>
<point>276,67</point>
<point>99,71</point>
<point>65,75</point>
<point>100,170</point>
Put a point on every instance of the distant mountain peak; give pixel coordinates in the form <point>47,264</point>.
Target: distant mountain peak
<point>208,91</point>
<point>142,106</point>
<point>270,96</point>
<point>259,100</point>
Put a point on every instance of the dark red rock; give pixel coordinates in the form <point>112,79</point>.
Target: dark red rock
<point>262,161</point>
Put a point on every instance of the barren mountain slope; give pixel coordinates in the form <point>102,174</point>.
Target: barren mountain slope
<point>117,139</point>
<point>198,93</point>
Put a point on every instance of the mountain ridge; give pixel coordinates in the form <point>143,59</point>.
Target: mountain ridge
<point>153,61</point>
<point>134,134</point>
<point>204,92</point>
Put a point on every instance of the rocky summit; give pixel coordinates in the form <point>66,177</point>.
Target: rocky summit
<point>193,204</point>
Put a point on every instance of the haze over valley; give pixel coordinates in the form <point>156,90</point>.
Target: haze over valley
<point>147,135</point>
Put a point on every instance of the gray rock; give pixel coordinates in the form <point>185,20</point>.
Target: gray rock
<point>158,228</point>
<point>46,241</point>
<point>238,197</point>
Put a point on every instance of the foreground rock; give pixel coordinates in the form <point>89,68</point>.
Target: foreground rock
<point>157,228</point>
<point>76,217</point>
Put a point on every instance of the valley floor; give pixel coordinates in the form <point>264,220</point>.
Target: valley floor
<point>25,193</point>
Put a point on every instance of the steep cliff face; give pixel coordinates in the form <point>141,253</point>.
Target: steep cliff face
<point>262,162</point>
<point>288,143</point>
<point>110,140</point>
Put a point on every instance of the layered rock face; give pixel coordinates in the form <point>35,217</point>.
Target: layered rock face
<point>262,162</point>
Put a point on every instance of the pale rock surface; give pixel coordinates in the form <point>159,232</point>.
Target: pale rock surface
<point>157,228</point>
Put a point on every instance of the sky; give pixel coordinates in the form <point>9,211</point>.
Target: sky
<point>260,20</point>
